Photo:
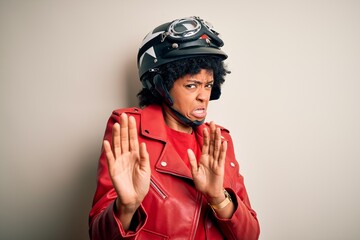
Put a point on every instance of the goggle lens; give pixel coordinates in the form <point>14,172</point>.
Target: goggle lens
<point>183,28</point>
<point>191,28</point>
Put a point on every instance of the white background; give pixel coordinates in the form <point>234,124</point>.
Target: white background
<point>291,104</point>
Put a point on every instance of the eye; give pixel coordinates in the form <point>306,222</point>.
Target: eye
<point>190,86</point>
<point>209,85</point>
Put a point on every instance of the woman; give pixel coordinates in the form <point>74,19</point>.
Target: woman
<point>163,172</point>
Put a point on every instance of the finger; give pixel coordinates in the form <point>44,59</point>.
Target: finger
<point>124,133</point>
<point>108,153</point>
<point>193,162</point>
<point>212,138</point>
<point>205,147</point>
<point>222,156</point>
<point>217,144</point>
<point>134,143</point>
<point>144,157</point>
<point>116,140</point>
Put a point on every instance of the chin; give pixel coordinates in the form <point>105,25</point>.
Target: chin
<point>199,119</point>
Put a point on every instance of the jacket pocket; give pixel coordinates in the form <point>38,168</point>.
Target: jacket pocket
<point>157,189</point>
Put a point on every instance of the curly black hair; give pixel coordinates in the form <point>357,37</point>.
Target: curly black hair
<point>172,71</point>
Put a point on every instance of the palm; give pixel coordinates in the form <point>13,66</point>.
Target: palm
<point>128,162</point>
<point>130,179</point>
<point>208,175</point>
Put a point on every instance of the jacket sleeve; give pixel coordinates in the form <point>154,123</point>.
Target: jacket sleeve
<point>103,224</point>
<point>243,225</point>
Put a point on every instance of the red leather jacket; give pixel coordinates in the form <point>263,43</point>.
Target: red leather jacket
<point>173,208</point>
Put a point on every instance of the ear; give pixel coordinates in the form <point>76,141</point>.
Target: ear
<point>162,90</point>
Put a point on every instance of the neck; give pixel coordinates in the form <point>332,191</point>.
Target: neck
<point>173,122</point>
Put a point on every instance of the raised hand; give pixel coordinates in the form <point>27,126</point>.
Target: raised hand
<point>129,168</point>
<point>208,175</point>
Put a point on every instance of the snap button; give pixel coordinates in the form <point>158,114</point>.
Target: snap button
<point>164,164</point>
<point>232,164</point>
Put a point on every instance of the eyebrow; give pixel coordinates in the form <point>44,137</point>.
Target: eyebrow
<point>199,82</point>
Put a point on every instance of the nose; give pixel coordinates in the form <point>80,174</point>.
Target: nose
<point>203,94</point>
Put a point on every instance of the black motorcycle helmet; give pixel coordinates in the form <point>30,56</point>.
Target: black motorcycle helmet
<point>180,39</point>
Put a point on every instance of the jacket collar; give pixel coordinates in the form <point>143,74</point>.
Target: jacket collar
<point>153,124</point>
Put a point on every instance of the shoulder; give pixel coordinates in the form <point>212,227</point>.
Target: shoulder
<point>223,129</point>
<point>225,133</point>
<point>130,111</point>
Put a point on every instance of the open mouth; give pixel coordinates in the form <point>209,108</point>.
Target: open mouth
<point>199,113</point>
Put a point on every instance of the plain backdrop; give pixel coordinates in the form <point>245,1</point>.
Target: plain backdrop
<point>291,104</point>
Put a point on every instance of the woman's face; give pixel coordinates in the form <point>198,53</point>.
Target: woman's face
<point>191,94</point>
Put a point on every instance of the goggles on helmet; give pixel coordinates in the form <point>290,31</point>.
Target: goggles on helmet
<point>192,28</point>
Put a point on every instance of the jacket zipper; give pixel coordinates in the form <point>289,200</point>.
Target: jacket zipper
<point>198,215</point>
<point>158,190</point>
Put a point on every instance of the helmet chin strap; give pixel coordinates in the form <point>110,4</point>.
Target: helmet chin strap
<point>185,120</point>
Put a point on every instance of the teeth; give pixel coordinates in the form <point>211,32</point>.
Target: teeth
<point>199,113</point>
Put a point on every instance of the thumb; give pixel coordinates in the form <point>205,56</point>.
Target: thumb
<point>193,162</point>
<point>144,157</point>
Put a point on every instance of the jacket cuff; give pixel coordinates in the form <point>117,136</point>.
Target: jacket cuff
<point>138,221</point>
